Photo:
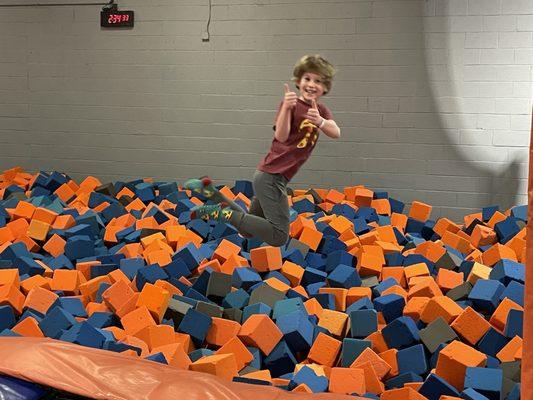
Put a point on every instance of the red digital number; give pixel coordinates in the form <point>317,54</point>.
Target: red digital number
<point>118,18</point>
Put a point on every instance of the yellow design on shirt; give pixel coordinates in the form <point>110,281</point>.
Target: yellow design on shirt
<point>308,126</point>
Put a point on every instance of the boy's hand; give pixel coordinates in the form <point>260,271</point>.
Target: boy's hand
<point>290,99</point>
<point>313,115</point>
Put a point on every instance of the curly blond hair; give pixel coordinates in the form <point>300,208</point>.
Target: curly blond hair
<point>317,64</point>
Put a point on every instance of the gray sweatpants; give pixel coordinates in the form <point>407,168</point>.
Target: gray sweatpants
<point>268,216</point>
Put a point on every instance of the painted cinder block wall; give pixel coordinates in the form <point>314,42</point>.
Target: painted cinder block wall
<point>433,96</point>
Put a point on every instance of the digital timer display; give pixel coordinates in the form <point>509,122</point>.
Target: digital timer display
<point>116,19</point>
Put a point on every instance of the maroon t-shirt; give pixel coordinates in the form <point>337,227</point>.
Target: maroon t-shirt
<point>286,158</point>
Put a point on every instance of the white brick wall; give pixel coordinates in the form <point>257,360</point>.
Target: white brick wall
<point>433,96</point>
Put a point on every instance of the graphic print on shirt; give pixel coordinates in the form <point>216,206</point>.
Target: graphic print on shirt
<point>310,129</point>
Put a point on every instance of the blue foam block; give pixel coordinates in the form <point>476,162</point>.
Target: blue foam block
<point>313,275</point>
<point>287,306</point>
<point>351,349</point>
<point>434,387</point>
<point>471,394</point>
<point>400,380</point>
<point>337,258</point>
<point>307,376</point>
<point>412,359</point>
<point>130,266</point>
<point>7,317</point>
<point>401,333</point>
<point>190,255</point>
<point>55,321</point>
<point>507,270</point>
<point>149,274</point>
<point>237,299</point>
<point>196,325</point>
<point>102,319</point>
<point>177,269</point>
<point>344,276</point>
<point>487,381</point>
<point>363,323</point>
<point>515,324</point>
<point>486,294</point>
<point>492,342</point>
<point>280,361</point>
<point>506,229</point>
<point>391,305</point>
<point>297,330</point>
<point>256,308</point>
<point>195,355</point>
<point>257,357</point>
<point>515,292</point>
<point>89,336</point>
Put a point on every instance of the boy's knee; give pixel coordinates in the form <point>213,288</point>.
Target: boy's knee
<point>279,238</point>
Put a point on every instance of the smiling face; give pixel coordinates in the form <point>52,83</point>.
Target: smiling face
<point>311,87</point>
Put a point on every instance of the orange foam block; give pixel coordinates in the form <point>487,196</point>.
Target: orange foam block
<point>236,347</point>
<point>38,230</point>
<point>311,237</point>
<point>174,354</point>
<point>448,279</point>
<point>334,321</point>
<point>508,352</point>
<point>267,258</point>
<point>405,393</point>
<point>137,320</point>
<point>67,281</point>
<point>325,350</point>
<point>10,294</point>
<point>379,365</point>
<point>221,365</point>
<point>35,281</point>
<point>55,246</point>
<point>453,361</point>
<point>155,299</point>
<point>420,211</point>
<point>261,332</point>
<point>347,381</point>
<point>499,316</point>
<point>40,299</point>
<point>28,327</point>
<point>441,306</point>
<point>298,224</point>
<point>156,335</point>
<point>224,250</point>
<point>222,331</point>
<point>293,272</point>
<point>117,295</point>
<point>10,276</point>
<point>470,325</point>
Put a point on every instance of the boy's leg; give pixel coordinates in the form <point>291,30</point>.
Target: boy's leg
<point>271,198</point>
<point>205,187</point>
<point>255,208</point>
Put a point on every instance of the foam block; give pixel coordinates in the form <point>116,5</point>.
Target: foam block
<point>363,323</point>
<point>196,325</point>
<point>486,381</point>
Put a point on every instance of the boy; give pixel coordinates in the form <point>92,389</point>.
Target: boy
<point>297,125</point>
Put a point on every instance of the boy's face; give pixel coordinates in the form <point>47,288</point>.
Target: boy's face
<point>311,87</point>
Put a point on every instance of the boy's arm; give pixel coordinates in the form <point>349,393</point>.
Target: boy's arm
<point>283,121</point>
<point>283,124</point>
<point>330,128</point>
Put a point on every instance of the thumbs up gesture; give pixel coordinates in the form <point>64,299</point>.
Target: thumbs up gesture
<point>313,114</point>
<point>289,99</point>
